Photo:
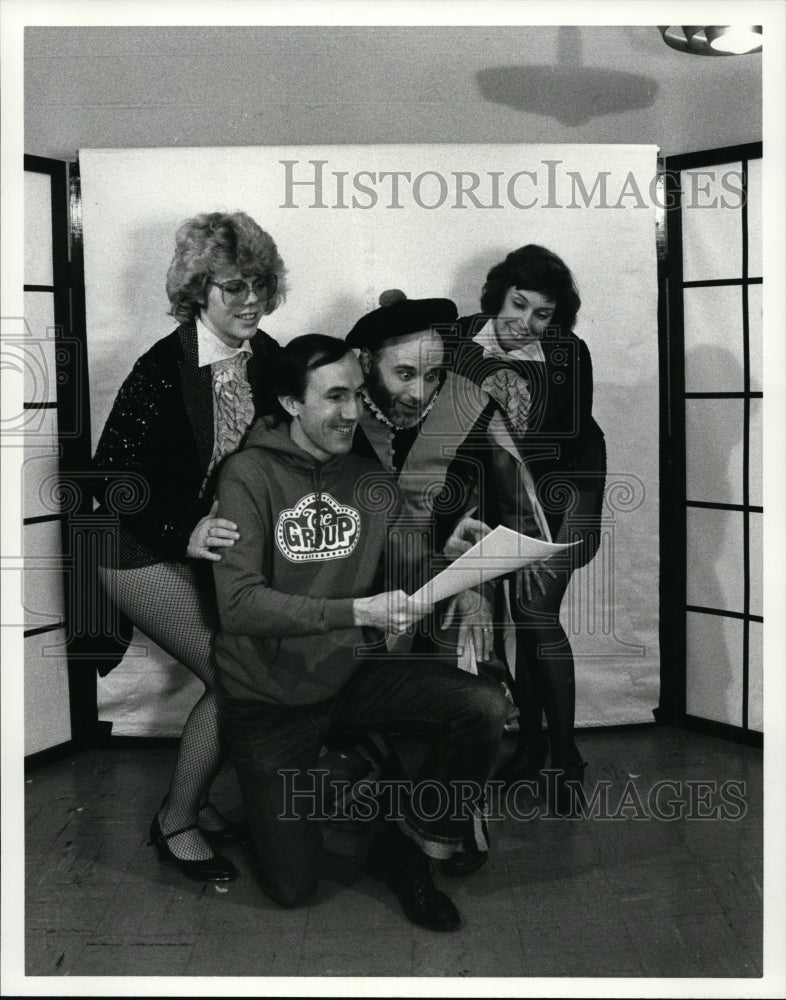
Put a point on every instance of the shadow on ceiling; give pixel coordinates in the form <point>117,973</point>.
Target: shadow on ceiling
<point>569,92</point>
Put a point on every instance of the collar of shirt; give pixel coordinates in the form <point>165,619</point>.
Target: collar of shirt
<point>487,339</point>
<point>210,349</point>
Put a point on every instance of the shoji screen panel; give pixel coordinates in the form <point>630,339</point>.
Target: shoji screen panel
<point>47,701</point>
<point>716,328</point>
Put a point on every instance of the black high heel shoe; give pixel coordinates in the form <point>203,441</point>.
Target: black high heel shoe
<point>565,788</point>
<point>525,764</point>
<point>215,869</point>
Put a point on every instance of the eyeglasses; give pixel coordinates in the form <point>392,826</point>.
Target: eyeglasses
<point>236,291</point>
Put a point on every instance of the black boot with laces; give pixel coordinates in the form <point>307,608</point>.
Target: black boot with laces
<point>398,860</point>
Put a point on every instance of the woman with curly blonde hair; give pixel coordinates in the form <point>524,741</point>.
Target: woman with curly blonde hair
<point>187,404</point>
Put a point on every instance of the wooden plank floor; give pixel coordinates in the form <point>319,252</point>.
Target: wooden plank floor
<point>632,896</point>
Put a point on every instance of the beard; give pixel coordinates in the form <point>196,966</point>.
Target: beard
<point>388,403</point>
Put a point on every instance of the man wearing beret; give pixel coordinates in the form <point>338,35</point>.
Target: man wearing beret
<point>420,421</point>
<point>429,425</point>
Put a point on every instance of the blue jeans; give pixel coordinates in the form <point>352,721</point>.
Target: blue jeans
<point>459,715</point>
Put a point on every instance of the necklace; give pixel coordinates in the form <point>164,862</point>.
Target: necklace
<point>389,423</point>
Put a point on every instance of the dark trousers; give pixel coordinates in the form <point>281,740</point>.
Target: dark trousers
<point>274,748</point>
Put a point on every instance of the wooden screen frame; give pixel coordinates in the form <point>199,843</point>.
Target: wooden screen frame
<point>675,503</point>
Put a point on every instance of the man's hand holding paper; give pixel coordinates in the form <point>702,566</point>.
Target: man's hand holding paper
<point>499,552</point>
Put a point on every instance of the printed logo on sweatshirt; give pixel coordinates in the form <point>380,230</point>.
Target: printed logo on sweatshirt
<point>317,528</point>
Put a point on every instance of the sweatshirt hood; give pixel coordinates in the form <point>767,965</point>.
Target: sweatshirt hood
<point>271,433</point>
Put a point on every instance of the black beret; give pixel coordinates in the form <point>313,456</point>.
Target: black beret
<point>397,316</point>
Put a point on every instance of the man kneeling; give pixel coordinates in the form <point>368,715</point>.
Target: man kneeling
<point>301,654</point>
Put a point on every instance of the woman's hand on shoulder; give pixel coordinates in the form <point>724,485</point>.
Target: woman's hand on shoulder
<point>211,532</point>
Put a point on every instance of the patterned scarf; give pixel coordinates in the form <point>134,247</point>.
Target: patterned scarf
<point>505,386</point>
<point>509,391</point>
<point>233,407</point>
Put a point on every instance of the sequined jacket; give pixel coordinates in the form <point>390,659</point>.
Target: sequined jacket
<point>157,443</point>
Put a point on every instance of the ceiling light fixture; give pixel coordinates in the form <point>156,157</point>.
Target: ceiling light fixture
<point>728,40</point>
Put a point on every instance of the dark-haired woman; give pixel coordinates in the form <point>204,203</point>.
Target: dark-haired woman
<point>187,404</point>
<point>521,349</point>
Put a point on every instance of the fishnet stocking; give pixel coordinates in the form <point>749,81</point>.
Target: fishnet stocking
<point>166,602</point>
<point>210,818</point>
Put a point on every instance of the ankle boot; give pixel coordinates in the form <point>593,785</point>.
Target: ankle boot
<point>398,860</point>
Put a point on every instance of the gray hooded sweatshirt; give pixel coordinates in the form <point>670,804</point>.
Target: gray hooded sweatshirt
<point>312,535</point>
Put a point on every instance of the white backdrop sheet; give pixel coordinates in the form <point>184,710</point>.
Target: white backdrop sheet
<point>351,221</point>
